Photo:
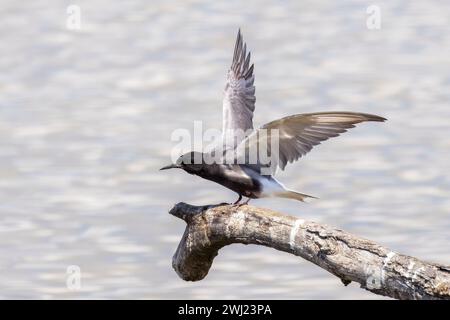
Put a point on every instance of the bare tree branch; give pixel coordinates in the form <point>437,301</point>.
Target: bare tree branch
<point>376,268</point>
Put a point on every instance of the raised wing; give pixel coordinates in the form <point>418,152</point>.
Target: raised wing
<point>297,135</point>
<point>239,97</point>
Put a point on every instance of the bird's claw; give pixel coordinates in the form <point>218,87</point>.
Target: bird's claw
<point>237,205</point>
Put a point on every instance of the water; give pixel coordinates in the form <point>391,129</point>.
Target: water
<point>86,118</point>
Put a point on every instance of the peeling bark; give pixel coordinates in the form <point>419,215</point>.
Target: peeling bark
<point>350,258</point>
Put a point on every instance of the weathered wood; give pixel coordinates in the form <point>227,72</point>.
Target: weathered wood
<point>376,268</point>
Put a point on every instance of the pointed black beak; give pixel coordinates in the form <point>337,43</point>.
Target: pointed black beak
<point>170,166</point>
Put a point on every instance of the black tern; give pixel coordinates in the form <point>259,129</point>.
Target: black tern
<point>296,134</point>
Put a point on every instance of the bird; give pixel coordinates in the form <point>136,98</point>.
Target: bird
<point>296,136</point>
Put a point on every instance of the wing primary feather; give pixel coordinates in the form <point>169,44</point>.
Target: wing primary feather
<point>239,94</point>
<point>249,73</point>
<point>298,134</point>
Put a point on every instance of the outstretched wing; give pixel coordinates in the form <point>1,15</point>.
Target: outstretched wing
<point>297,135</point>
<point>239,97</point>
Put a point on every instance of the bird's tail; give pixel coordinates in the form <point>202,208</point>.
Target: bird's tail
<point>290,194</point>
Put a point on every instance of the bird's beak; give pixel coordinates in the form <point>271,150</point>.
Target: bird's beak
<point>170,166</point>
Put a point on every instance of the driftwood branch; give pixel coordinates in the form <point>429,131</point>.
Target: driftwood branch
<point>376,268</point>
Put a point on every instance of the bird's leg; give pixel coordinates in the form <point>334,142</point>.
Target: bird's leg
<point>244,203</point>
<point>238,200</point>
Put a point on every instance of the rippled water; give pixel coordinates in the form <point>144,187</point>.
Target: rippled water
<point>86,118</point>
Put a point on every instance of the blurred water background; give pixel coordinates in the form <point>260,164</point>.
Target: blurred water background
<point>86,118</point>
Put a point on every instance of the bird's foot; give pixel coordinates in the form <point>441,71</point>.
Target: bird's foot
<point>242,203</point>
<point>238,200</point>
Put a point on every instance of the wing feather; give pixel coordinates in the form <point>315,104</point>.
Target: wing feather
<point>239,96</point>
<point>297,135</point>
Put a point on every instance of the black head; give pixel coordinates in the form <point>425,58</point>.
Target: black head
<point>191,162</point>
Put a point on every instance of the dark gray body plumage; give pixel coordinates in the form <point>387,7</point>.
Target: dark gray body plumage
<point>240,178</point>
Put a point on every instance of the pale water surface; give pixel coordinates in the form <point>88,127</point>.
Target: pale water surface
<point>86,118</point>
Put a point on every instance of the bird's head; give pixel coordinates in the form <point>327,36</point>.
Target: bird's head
<point>191,162</point>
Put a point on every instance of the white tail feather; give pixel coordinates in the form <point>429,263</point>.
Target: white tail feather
<point>289,194</point>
